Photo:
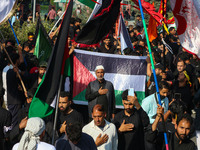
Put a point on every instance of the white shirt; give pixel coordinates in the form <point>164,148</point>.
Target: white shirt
<point>109,129</point>
<point>40,146</point>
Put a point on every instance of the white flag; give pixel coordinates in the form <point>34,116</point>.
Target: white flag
<point>188,24</point>
<point>7,7</point>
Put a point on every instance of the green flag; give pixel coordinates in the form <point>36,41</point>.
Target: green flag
<point>89,3</point>
<point>44,101</point>
<point>42,47</point>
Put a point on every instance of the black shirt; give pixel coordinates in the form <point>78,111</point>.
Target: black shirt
<point>135,138</point>
<point>111,49</point>
<point>174,142</point>
<point>186,94</point>
<point>5,120</point>
<point>15,96</point>
<point>73,117</point>
<point>86,143</point>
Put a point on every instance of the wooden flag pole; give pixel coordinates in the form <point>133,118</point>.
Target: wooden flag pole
<point>23,86</point>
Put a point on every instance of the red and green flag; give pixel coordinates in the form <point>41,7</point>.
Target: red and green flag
<point>43,102</point>
<point>123,71</point>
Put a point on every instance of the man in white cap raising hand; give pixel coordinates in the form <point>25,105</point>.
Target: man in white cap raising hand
<point>101,92</point>
<point>31,139</point>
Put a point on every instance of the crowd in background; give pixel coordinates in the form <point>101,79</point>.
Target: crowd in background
<point>138,127</point>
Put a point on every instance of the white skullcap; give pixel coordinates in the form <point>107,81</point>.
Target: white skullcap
<point>99,67</point>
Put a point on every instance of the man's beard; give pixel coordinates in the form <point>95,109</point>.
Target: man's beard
<point>101,78</point>
<point>65,110</point>
<point>182,137</point>
<point>129,110</point>
<point>162,97</point>
<point>40,75</point>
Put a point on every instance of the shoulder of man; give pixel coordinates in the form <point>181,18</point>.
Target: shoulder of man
<point>44,145</point>
<point>87,126</point>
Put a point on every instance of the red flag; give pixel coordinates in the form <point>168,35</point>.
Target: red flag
<point>150,9</point>
<point>152,28</point>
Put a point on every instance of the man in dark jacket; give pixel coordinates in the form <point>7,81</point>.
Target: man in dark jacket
<point>101,91</point>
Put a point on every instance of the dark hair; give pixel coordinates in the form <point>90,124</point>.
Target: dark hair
<point>155,42</point>
<point>138,28</point>
<point>10,50</point>
<point>98,107</point>
<point>74,131</point>
<point>157,57</point>
<point>78,20</point>
<point>72,20</point>
<point>30,33</point>
<point>184,116</point>
<point>177,107</point>
<point>171,28</point>
<point>181,60</point>
<point>124,95</point>
<point>10,41</point>
<point>14,57</point>
<point>185,56</point>
<point>65,94</point>
<point>163,84</point>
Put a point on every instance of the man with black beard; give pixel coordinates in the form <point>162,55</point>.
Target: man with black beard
<point>66,114</point>
<point>178,140</point>
<point>130,124</point>
<point>41,71</point>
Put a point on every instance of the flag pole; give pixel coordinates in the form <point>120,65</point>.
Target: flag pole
<point>2,35</point>
<point>152,64</point>
<point>56,23</point>
<point>16,38</point>
<point>13,32</point>
<point>56,111</point>
<point>34,8</point>
<point>163,5</point>
<point>23,86</point>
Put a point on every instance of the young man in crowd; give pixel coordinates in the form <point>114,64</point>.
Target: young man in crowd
<point>66,114</point>
<point>178,140</point>
<point>130,124</point>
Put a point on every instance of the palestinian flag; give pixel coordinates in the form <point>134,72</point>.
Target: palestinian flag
<point>43,101</point>
<point>123,71</point>
<point>43,46</point>
<point>124,36</point>
<point>100,25</point>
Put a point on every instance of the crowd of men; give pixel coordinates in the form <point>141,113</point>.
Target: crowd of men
<point>137,126</point>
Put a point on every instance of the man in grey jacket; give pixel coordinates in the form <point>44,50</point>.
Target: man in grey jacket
<point>101,92</point>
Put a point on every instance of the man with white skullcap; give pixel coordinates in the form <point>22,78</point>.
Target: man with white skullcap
<point>34,132</point>
<point>101,92</point>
